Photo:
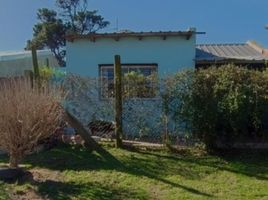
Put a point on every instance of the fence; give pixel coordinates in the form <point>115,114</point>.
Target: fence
<point>150,110</point>
<point>221,106</point>
<point>134,110</point>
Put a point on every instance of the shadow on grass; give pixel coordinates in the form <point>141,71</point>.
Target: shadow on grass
<point>57,190</point>
<point>66,158</point>
<point>74,158</point>
<point>96,191</point>
<point>252,164</point>
<point>153,165</point>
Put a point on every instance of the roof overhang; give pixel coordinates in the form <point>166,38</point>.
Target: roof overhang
<point>224,61</point>
<point>139,35</point>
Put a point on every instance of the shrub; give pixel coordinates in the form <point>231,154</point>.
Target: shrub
<point>137,85</point>
<point>229,104</point>
<point>27,115</point>
<point>220,106</point>
<point>51,74</point>
<point>177,102</point>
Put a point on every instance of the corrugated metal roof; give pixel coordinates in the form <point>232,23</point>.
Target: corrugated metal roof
<point>218,52</point>
<point>14,55</point>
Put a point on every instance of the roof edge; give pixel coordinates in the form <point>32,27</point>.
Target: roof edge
<point>229,60</point>
<point>140,35</point>
<point>220,44</point>
<point>253,44</point>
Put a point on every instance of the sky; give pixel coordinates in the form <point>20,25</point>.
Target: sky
<point>224,21</point>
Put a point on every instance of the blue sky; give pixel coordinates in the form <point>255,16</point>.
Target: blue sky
<point>222,20</point>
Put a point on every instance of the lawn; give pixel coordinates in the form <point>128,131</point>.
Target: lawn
<point>75,173</point>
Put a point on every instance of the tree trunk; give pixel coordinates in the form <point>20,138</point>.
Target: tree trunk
<point>14,161</point>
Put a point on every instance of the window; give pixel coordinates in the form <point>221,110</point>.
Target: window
<point>138,80</point>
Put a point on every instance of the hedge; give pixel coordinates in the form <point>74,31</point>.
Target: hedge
<point>222,105</point>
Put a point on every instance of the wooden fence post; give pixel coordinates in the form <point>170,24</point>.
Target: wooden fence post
<point>35,63</point>
<point>36,67</point>
<point>118,101</point>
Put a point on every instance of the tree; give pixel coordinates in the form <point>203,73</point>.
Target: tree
<point>80,20</point>
<point>50,33</point>
<point>73,17</point>
<point>27,116</point>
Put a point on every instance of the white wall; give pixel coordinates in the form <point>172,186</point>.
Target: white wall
<point>171,55</point>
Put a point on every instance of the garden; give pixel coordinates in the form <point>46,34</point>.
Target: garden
<point>208,139</point>
<point>75,173</point>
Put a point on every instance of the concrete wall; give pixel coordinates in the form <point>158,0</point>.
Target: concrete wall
<point>171,55</point>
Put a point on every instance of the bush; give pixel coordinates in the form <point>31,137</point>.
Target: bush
<point>27,115</point>
<point>177,102</point>
<point>230,104</point>
<point>220,106</point>
<point>51,74</point>
<point>136,85</point>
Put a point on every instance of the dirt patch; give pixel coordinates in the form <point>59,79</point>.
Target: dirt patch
<point>27,187</point>
<point>29,194</point>
<point>43,175</point>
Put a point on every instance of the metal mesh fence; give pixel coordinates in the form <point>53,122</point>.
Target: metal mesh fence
<point>151,109</point>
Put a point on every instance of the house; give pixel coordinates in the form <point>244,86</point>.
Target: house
<point>249,54</point>
<point>14,63</point>
<point>164,52</point>
<point>148,53</point>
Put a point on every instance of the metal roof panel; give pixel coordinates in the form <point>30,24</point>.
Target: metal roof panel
<point>228,51</point>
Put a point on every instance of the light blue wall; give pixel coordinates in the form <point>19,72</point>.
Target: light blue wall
<point>84,56</point>
<point>171,55</point>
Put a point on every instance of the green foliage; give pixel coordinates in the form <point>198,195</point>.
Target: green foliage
<point>79,19</point>
<point>220,106</point>
<point>137,85</point>
<point>46,73</point>
<point>49,32</point>
<point>177,97</point>
<point>230,104</point>
<point>176,104</point>
<point>49,73</point>
<point>73,17</point>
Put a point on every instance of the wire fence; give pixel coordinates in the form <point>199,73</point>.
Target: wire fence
<point>146,116</point>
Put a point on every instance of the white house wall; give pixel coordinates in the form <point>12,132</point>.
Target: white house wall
<point>142,117</point>
<point>171,55</point>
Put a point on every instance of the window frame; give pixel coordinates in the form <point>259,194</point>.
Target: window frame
<point>127,65</point>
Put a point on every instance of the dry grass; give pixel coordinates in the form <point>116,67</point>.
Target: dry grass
<point>27,115</point>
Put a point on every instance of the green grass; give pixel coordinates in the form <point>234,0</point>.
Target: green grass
<point>123,174</point>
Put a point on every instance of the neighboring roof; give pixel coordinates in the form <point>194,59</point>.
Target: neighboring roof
<point>249,51</point>
<point>139,35</point>
<point>14,55</point>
